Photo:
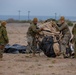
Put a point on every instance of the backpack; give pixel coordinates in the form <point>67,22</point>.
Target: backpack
<point>47,46</point>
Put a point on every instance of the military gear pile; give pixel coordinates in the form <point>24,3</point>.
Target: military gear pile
<point>49,38</point>
<point>47,46</point>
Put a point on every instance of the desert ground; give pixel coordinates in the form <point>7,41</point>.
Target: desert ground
<point>25,64</point>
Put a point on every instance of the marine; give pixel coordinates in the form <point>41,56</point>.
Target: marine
<point>33,30</point>
<point>3,38</point>
<point>64,29</point>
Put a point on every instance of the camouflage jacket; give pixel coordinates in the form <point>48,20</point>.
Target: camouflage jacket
<point>74,31</point>
<point>64,29</point>
<point>33,30</point>
<point>3,35</point>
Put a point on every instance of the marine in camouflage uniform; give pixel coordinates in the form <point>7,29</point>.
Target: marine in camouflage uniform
<point>74,38</point>
<point>64,29</point>
<point>31,35</point>
<point>3,38</point>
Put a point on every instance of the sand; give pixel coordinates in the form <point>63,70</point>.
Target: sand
<point>24,64</point>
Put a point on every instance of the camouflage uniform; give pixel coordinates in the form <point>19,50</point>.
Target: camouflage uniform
<point>66,36</point>
<point>31,35</point>
<point>74,37</point>
<point>3,39</point>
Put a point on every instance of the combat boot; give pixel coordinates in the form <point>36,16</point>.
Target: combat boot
<point>1,53</point>
<point>72,55</point>
<point>66,55</point>
<point>1,56</point>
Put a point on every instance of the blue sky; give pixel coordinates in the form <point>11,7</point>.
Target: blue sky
<point>38,7</point>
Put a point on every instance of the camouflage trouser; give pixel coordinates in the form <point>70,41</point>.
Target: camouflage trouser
<point>75,48</point>
<point>74,40</point>
<point>34,45</point>
<point>64,43</point>
<point>31,43</point>
<point>1,53</point>
<point>1,50</point>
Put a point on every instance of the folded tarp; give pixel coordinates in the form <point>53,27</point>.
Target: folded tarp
<point>16,48</point>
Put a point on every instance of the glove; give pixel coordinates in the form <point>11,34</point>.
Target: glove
<point>41,29</point>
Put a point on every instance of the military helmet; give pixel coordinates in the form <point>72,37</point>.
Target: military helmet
<point>62,18</point>
<point>3,23</point>
<point>35,20</point>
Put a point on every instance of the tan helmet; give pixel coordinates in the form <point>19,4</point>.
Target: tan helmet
<point>35,20</point>
<point>62,18</point>
<point>3,23</point>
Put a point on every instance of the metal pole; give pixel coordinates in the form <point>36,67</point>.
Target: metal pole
<point>28,15</point>
<point>19,14</point>
<point>55,16</point>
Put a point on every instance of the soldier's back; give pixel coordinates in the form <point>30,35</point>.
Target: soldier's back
<point>74,30</point>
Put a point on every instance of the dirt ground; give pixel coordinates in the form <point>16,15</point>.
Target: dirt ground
<point>25,64</point>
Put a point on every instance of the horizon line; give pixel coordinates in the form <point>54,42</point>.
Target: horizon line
<point>36,15</point>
